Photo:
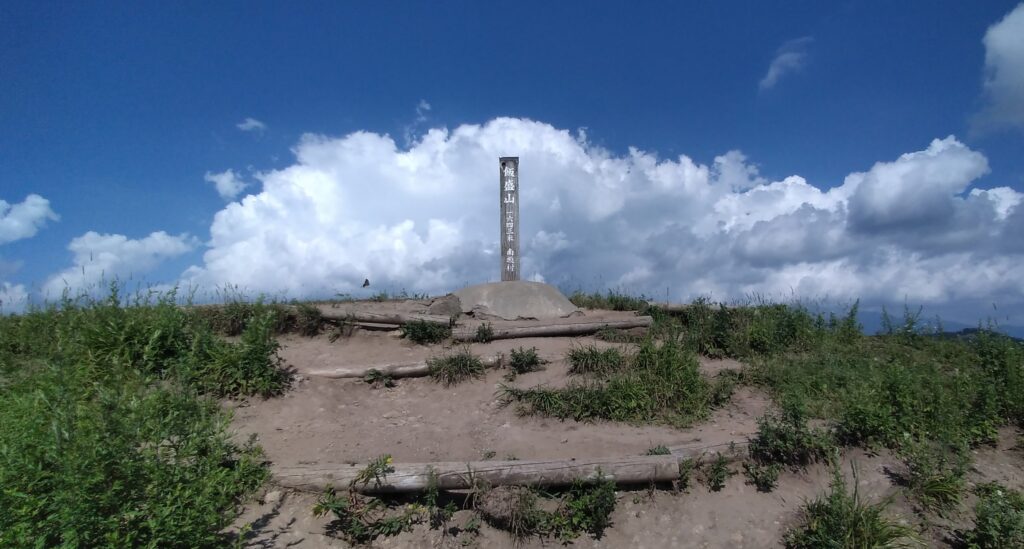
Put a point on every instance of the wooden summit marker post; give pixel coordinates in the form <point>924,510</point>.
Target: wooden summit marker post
<point>508,191</point>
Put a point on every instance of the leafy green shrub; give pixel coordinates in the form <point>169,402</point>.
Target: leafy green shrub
<point>615,335</point>
<point>455,368</point>
<point>425,331</point>
<point>308,319</point>
<point>522,361</point>
<point>360,519</point>
<point>935,474</point>
<point>659,450</point>
<point>591,360</point>
<point>717,473</point>
<point>843,520</point>
<point>582,508</point>
<point>786,439</point>
<point>686,469</point>
<point>105,429</point>
<point>377,378</point>
<point>999,518</point>
<point>92,455</point>
<point>764,476</point>
<point>484,333</point>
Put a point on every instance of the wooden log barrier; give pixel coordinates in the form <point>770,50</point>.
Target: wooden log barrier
<point>414,477</point>
<point>395,370</point>
<point>353,315</point>
<point>555,330</point>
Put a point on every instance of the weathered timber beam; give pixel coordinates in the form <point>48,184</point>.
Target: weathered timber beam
<point>414,477</point>
<point>395,370</point>
<point>556,330</point>
<point>343,315</point>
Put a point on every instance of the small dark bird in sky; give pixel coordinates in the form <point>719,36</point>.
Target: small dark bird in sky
<point>366,282</point>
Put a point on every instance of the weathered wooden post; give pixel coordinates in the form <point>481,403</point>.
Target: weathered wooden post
<point>508,192</point>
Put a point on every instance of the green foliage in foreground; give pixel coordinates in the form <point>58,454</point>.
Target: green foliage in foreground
<point>660,383</point>
<point>999,519</point>
<point>583,508</point>
<point>844,521</point>
<point>107,439</point>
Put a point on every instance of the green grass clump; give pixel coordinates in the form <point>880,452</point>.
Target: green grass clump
<point>425,331</point>
<point>999,518</point>
<point>591,360</point>
<point>843,520</point>
<point>610,301</point>
<point>455,368</point>
<point>108,436</point>
<point>660,383</point>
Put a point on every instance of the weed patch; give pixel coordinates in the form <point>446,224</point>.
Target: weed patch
<point>999,518</point>
<point>591,360</point>
<point>660,383</point>
<point>842,519</point>
<point>425,332</point>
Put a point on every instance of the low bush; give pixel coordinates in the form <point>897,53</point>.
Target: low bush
<point>785,439</point>
<point>426,332</point>
<point>522,360</point>
<point>935,474</point>
<point>107,438</point>
<point>999,519</point>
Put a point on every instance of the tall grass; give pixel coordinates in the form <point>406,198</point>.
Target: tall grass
<point>108,438</point>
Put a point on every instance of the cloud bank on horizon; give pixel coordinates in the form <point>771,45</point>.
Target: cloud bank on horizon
<point>423,218</point>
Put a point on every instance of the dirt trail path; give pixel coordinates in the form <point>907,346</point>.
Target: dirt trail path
<point>346,420</point>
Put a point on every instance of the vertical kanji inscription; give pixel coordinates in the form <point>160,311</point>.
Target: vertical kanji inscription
<point>508,191</point>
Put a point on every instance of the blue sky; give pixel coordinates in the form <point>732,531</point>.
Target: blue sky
<point>116,113</point>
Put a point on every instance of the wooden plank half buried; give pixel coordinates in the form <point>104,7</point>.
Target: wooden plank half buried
<point>557,330</point>
<point>414,477</point>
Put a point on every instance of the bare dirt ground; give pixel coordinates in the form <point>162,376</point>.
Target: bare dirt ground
<point>346,420</point>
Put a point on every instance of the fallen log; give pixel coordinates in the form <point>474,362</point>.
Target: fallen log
<point>352,315</point>
<point>555,330</point>
<point>395,370</point>
<point>415,477</point>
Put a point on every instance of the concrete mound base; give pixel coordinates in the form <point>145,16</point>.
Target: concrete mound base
<point>515,301</point>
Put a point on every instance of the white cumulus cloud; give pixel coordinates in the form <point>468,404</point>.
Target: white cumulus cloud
<point>251,125</point>
<point>424,218</point>
<point>789,58</point>
<point>1004,74</point>
<point>105,257</point>
<point>13,298</point>
<point>24,219</point>
<point>227,183</point>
